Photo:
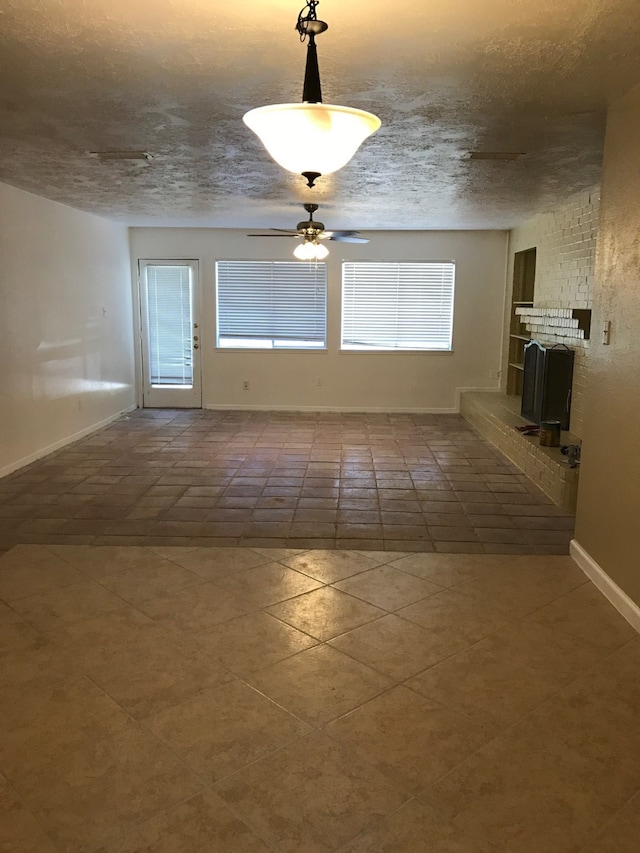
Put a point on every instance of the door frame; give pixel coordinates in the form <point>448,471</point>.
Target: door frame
<point>195,265</point>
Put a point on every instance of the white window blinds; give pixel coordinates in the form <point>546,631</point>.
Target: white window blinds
<point>168,294</point>
<point>397,305</point>
<point>271,304</point>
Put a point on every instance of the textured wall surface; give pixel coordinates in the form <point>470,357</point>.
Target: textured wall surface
<point>66,330</point>
<point>609,494</point>
<point>565,242</point>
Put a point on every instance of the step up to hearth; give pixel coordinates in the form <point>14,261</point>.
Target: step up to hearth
<point>496,416</point>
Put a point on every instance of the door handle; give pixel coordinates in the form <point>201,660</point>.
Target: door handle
<point>195,346</point>
<point>195,337</point>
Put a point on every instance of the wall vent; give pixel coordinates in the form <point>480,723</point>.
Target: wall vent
<point>495,155</point>
<point>121,155</point>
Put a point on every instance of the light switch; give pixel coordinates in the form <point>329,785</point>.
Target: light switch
<point>606,333</point>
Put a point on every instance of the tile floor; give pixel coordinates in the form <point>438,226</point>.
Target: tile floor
<point>241,700</point>
<point>298,480</point>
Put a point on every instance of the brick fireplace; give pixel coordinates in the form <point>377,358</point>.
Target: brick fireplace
<point>558,311</point>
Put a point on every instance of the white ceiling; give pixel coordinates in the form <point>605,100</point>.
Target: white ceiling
<point>174,77</point>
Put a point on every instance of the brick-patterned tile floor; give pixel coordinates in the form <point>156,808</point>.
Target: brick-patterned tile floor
<point>283,479</point>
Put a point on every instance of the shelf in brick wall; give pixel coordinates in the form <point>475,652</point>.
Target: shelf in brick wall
<point>524,272</point>
<point>562,322</point>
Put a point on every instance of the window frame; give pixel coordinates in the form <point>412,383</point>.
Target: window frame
<point>270,349</point>
<point>374,350</point>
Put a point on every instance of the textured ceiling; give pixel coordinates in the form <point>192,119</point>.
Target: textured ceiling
<point>174,77</point>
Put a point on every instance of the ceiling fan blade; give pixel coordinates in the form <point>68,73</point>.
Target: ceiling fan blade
<point>347,237</point>
<point>293,234</point>
<point>285,230</point>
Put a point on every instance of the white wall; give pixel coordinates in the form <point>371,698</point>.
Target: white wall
<point>385,381</point>
<point>66,330</point>
<point>609,494</point>
<point>565,242</point>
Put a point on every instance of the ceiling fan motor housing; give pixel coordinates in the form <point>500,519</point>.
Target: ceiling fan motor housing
<point>311,226</point>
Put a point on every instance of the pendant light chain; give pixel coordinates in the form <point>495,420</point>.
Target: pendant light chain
<point>304,19</point>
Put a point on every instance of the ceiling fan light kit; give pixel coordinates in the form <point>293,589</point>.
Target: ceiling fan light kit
<point>311,138</point>
<point>310,250</point>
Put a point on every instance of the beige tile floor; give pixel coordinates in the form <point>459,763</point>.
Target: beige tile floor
<point>240,700</point>
<point>283,479</point>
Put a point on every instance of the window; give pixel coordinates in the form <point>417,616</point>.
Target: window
<point>397,305</point>
<point>271,305</point>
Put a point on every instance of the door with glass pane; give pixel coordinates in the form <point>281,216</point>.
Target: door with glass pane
<point>169,307</point>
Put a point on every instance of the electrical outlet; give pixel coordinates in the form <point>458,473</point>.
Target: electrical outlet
<point>245,385</point>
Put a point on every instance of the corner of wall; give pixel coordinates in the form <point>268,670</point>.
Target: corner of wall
<point>608,587</point>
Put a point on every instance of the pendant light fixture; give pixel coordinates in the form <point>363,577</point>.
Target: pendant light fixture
<point>310,250</point>
<point>311,138</point>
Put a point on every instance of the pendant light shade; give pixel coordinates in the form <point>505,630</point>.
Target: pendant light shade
<point>319,138</point>
<point>311,138</point>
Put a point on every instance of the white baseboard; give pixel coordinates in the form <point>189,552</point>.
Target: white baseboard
<point>409,410</point>
<point>609,588</point>
<point>51,448</point>
<point>223,407</point>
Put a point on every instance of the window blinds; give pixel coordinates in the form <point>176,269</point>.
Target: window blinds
<point>397,305</point>
<point>272,304</point>
<point>169,319</point>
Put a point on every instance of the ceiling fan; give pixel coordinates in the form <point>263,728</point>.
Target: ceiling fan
<point>312,231</point>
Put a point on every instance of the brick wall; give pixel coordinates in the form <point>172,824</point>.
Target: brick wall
<point>565,242</point>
